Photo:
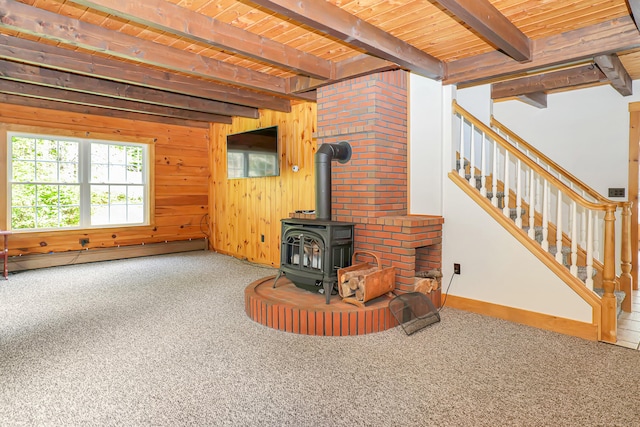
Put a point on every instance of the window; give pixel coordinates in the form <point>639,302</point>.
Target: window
<point>59,183</point>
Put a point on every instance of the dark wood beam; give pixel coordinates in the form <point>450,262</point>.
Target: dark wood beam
<point>584,43</point>
<point>96,111</point>
<point>36,22</point>
<point>330,19</point>
<point>164,16</point>
<point>61,80</point>
<point>615,72</point>
<point>53,94</point>
<point>535,99</point>
<point>634,5</point>
<point>491,24</point>
<point>27,51</point>
<point>570,77</point>
<point>344,70</point>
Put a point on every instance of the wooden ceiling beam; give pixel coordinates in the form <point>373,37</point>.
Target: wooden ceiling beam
<point>491,24</point>
<point>22,50</point>
<point>535,99</point>
<point>30,20</point>
<point>96,111</point>
<point>346,69</point>
<point>41,76</point>
<point>330,19</point>
<point>570,77</point>
<point>70,97</point>
<point>164,16</point>
<point>613,68</point>
<point>584,43</point>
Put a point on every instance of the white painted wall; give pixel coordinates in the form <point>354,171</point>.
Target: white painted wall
<point>425,146</point>
<point>476,100</point>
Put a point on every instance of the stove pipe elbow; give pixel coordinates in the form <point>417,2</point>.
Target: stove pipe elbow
<point>325,154</point>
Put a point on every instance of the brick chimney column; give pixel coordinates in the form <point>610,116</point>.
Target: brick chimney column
<point>370,113</point>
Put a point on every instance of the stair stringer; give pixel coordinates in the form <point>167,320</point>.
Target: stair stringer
<point>587,325</point>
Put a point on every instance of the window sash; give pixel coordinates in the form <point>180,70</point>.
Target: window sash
<point>132,210</point>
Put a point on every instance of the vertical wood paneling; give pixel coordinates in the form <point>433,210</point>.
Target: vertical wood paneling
<point>179,179</point>
<point>242,210</point>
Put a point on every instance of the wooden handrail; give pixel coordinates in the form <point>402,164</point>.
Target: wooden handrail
<point>584,187</point>
<point>571,193</point>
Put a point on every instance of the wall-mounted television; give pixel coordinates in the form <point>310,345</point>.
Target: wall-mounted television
<point>253,153</point>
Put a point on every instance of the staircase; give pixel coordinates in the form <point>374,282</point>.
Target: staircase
<point>567,225</point>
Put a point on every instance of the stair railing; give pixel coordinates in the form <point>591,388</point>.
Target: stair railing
<point>624,207</point>
<point>567,225</point>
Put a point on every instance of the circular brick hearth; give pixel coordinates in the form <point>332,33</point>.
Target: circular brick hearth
<point>291,309</point>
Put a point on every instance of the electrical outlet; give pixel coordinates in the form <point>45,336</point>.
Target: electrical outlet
<point>84,242</point>
<point>456,268</point>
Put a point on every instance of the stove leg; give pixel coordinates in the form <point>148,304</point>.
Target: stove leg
<point>276,279</point>
<point>328,287</point>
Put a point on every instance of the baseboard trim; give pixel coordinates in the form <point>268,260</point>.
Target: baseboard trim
<point>30,262</point>
<point>537,320</point>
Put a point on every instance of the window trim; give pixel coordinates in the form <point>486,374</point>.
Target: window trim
<point>84,138</point>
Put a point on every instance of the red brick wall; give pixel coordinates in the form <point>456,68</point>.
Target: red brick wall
<point>370,113</point>
<point>370,190</point>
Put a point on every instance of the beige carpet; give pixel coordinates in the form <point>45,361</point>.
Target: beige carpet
<point>164,341</point>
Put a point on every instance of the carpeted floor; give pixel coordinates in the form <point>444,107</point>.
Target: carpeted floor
<point>164,341</point>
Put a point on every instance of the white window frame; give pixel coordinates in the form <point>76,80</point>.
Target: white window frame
<point>84,180</point>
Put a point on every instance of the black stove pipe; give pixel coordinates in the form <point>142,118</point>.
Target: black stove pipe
<point>325,154</point>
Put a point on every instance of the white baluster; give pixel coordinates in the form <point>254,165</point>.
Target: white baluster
<point>519,193</point>
<point>472,157</point>
<point>583,228</point>
<point>597,223</point>
<point>532,205</point>
<point>589,281</point>
<point>494,175</point>
<point>505,209</point>
<point>483,165</point>
<point>461,150</point>
<point>559,228</point>
<point>574,240</point>
<point>545,216</point>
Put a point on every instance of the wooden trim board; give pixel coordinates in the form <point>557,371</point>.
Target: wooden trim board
<point>537,320</point>
<point>30,262</point>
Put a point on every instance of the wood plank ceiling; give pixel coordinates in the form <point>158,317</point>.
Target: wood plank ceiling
<point>198,61</point>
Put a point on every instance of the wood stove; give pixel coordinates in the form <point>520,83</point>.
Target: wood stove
<point>312,251</point>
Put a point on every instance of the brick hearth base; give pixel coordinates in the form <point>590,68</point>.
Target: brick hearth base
<point>291,309</point>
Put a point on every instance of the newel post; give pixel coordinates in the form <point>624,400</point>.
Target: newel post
<point>626,280</point>
<point>609,318</point>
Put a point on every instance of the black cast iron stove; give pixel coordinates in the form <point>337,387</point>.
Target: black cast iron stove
<point>312,250</point>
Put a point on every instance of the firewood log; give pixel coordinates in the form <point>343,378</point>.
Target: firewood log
<point>346,290</point>
<point>349,274</point>
<point>425,286</point>
<point>354,282</point>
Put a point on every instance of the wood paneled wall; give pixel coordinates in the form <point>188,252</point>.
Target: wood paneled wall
<point>244,210</point>
<point>179,180</point>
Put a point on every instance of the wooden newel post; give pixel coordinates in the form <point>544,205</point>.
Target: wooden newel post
<point>626,280</point>
<point>609,318</point>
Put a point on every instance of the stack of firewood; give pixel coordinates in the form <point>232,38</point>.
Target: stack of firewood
<point>428,281</point>
<point>353,283</point>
